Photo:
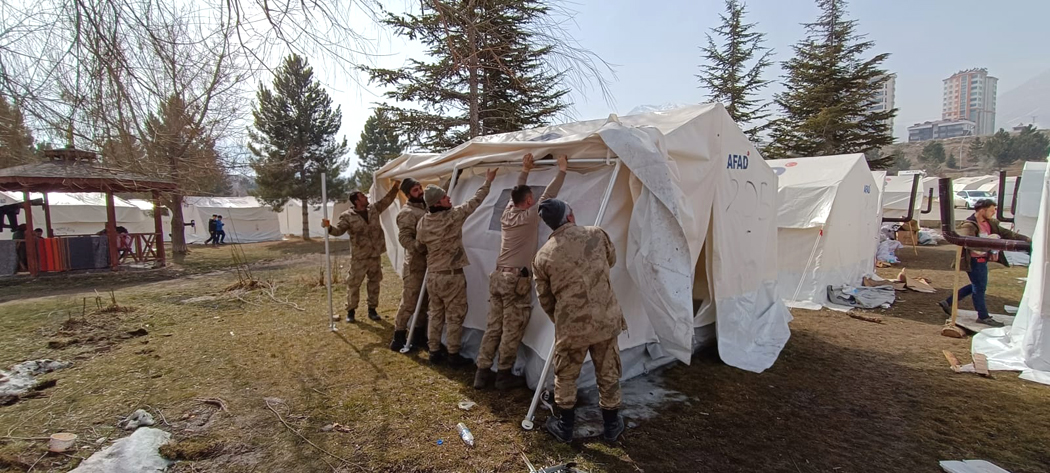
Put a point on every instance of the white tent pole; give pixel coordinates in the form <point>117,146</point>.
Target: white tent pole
<point>327,254</point>
<point>526,423</point>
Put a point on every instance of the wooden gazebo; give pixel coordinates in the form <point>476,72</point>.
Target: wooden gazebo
<point>73,170</point>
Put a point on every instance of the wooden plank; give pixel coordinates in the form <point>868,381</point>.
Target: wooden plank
<point>952,360</point>
<point>980,364</point>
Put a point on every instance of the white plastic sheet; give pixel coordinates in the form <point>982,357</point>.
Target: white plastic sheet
<point>1025,346</point>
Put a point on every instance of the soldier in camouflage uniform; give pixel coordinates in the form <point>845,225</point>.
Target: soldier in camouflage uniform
<point>441,231</point>
<point>367,245</point>
<point>413,269</point>
<point>572,283</point>
<point>510,288</point>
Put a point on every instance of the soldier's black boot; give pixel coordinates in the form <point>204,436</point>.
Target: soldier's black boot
<point>437,357</point>
<point>400,337</point>
<point>419,337</point>
<point>350,315</point>
<point>483,378</point>
<point>505,380</point>
<point>613,424</point>
<point>561,427</point>
<point>372,314</point>
<point>456,360</point>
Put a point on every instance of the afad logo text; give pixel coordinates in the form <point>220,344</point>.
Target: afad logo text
<point>737,161</point>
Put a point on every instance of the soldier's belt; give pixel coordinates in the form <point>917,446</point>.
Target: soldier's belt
<point>449,271</point>
<point>507,269</point>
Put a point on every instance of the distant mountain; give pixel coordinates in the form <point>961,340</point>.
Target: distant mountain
<point>1020,104</point>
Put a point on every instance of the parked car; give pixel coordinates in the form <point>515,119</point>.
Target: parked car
<point>968,198</point>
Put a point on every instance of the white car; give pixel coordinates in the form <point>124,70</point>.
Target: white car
<point>968,198</point>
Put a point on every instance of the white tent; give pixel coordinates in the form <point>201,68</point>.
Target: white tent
<point>291,218</point>
<point>83,213</point>
<point>971,183</point>
<point>246,219</point>
<point>1028,197</point>
<point>897,195</point>
<point>828,225</point>
<point>689,204</point>
<point>1025,345</point>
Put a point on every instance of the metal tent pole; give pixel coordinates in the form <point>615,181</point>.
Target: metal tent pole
<point>527,423</point>
<point>327,254</point>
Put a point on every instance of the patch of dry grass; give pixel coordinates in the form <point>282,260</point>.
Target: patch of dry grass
<point>846,395</point>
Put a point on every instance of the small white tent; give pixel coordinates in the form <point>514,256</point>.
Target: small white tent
<point>1025,345</point>
<point>689,205</point>
<point>828,225</point>
<point>83,213</point>
<point>897,195</point>
<point>971,183</point>
<point>291,218</point>
<point>246,219</point>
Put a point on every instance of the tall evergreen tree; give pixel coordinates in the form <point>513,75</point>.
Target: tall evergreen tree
<point>830,90</point>
<point>294,140</point>
<point>487,72</point>
<point>16,142</point>
<point>379,144</point>
<point>732,73</point>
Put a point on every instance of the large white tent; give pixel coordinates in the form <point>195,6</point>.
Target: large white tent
<point>290,218</point>
<point>83,213</point>
<point>827,225</point>
<point>246,219</point>
<point>1025,345</point>
<point>1029,193</point>
<point>972,183</point>
<point>689,204</point>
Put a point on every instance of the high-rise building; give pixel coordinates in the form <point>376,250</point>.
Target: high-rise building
<point>970,95</point>
<point>885,96</point>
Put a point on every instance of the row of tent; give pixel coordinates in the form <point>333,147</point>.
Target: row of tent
<point>247,220</point>
<point>711,239</point>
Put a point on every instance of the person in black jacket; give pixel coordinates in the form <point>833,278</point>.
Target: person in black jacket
<point>211,231</point>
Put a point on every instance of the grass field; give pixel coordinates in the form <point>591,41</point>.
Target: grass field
<point>845,395</point>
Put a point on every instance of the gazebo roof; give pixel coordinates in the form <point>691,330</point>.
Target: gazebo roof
<point>73,170</point>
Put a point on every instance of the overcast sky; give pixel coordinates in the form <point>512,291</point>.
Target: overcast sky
<point>654,45</point>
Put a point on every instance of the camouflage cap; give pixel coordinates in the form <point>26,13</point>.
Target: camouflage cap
<point>432,195</point>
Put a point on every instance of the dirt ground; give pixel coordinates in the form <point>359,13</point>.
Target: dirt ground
<point>845,396</point>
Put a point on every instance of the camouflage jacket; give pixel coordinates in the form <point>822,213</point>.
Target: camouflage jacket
<point>366,236</point>
<point>407,219</point>
<point>573,287</point>
<point>442,233</point>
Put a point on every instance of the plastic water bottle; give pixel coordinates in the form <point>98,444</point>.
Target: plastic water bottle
<point>464,433</point>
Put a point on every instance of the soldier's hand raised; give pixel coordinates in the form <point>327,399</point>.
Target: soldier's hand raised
<point>563,163</point>
<point>490,175</point>
<point>527,162</point>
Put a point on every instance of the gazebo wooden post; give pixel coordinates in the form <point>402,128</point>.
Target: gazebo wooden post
<point>158,226</point>
<point>47,218</point>
<point>30,239</point>
<point>111,231</point>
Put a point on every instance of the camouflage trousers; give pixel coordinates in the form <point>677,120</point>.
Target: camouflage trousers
<point>509,314</point>
<point>359,268</point>
<point>411,286</point>
<point>607,370</point>
<point>448,304</point>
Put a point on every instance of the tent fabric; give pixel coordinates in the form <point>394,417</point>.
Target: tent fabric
<point>247,219</point>
<point>688,180</point>
<point>1028,197</point>
<point>828,225</point>
<point>83,213</point>
<point>290,218</point>
<point>897,194</point>
<point>1025,345</point>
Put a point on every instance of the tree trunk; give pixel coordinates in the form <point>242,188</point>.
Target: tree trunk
<point>472,79</point>
<point>178,229</point>
<point>306,220</point>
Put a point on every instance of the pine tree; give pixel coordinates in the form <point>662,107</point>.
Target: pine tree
<point>294,140</point>
<point>732,75</point>
<point>933,154</point>
<point>830,89</point>
<point>951,163</point>
<point>16,142</point>
<point>488,72</point>
<point>379,144</point>
<point>181,150</point>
